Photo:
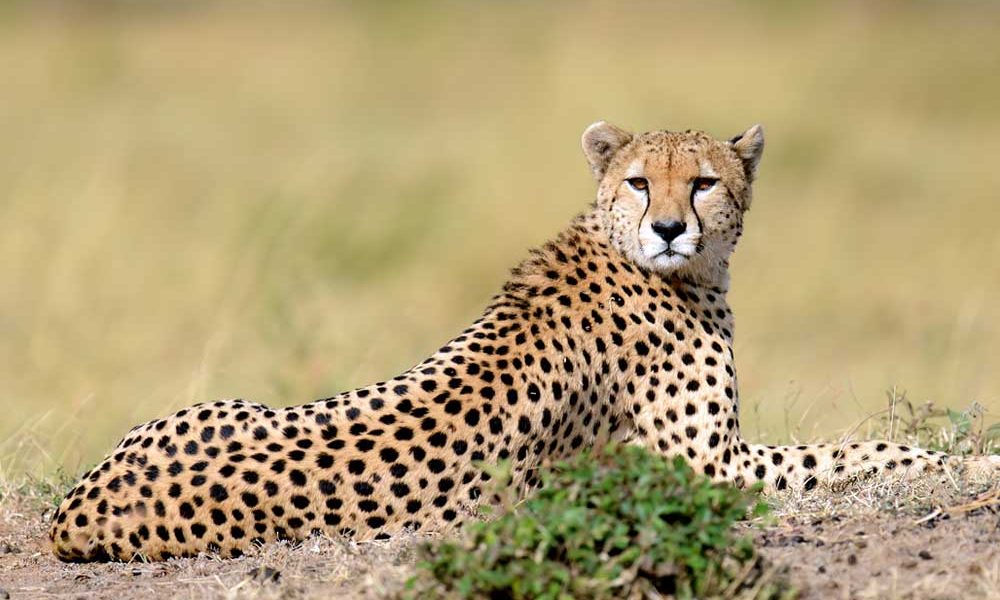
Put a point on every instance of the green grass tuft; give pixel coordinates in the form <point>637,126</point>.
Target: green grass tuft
<point>622,523</point>
<point>967,432</point>
<point>40,494</point>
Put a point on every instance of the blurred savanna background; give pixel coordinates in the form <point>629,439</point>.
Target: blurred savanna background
<point>280,201</point>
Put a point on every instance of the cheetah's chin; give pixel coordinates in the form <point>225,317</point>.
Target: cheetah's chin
<point>669,260</point>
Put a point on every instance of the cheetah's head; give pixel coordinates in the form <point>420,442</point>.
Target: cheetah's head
<point>673,203</point>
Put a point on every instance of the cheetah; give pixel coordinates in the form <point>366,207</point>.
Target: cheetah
<point>616,331</point>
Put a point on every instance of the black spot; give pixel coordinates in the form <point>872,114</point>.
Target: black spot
<point>324,460</point>
<point>218,493</point>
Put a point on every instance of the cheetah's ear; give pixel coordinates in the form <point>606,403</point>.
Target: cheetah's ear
<point>601,141</point>
<point>749,146</point>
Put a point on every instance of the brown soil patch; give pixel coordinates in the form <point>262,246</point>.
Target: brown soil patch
<point>317,568</point>
<point>888,556</point>
<point>873,542</point>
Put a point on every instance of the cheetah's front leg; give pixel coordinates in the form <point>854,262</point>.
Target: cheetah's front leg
<point>706,433</point>
<point>806,466</point>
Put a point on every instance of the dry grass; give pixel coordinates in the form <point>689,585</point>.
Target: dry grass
<point>925,539</point>
<point>921,540</point>
<point>278,203</point>
<point>282,201</point>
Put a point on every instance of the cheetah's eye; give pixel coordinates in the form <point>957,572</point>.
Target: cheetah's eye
<point>703,184</point>
<point>638,183</point>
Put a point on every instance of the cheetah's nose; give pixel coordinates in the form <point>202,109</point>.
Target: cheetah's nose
<point>669,230</point>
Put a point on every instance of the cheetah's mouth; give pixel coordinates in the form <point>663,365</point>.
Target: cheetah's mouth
<point>670,257</point>
<point>664,256</point>
<point>679,249</point>
<point>670,252</point>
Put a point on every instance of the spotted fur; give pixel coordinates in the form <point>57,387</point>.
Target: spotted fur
<point>610,332</point>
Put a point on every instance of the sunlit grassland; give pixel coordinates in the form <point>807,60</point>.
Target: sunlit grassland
<point>280,202</point>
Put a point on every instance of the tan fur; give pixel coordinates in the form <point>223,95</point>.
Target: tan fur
<point>610,332</point>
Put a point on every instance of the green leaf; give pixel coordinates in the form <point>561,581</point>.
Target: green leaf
<point>622,522</point>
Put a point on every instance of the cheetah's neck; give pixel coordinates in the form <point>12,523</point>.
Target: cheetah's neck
<point>568,341</point>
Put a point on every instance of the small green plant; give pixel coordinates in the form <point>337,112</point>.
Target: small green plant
<point>622,523</point>
<point>947,430</point>
<point>42,494</point>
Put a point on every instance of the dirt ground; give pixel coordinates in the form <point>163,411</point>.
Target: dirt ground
<point>876,541</point>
